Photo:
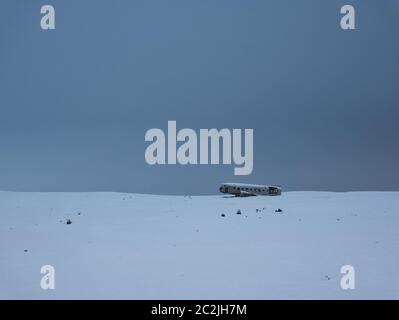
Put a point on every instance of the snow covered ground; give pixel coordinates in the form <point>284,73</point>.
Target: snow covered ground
<point>132,246</point>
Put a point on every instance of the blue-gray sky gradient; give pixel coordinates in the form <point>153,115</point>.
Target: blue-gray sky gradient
<point>75,102</point>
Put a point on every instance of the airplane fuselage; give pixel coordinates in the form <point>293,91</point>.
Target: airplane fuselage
<point>246,190</point>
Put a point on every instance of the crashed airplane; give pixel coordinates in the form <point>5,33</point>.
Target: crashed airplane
<point>246,190</point>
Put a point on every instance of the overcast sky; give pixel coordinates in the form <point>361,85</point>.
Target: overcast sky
<point>75,102</point>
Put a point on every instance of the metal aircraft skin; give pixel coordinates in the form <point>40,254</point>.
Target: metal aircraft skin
<point>247,190</point>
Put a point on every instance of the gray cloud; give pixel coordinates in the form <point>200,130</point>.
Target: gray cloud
<point>76,102</point>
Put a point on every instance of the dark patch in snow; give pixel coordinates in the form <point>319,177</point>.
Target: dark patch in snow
<point>239,212</point>
<point>278,210</point>
<point>223,215</point>
<point>68,221</point>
